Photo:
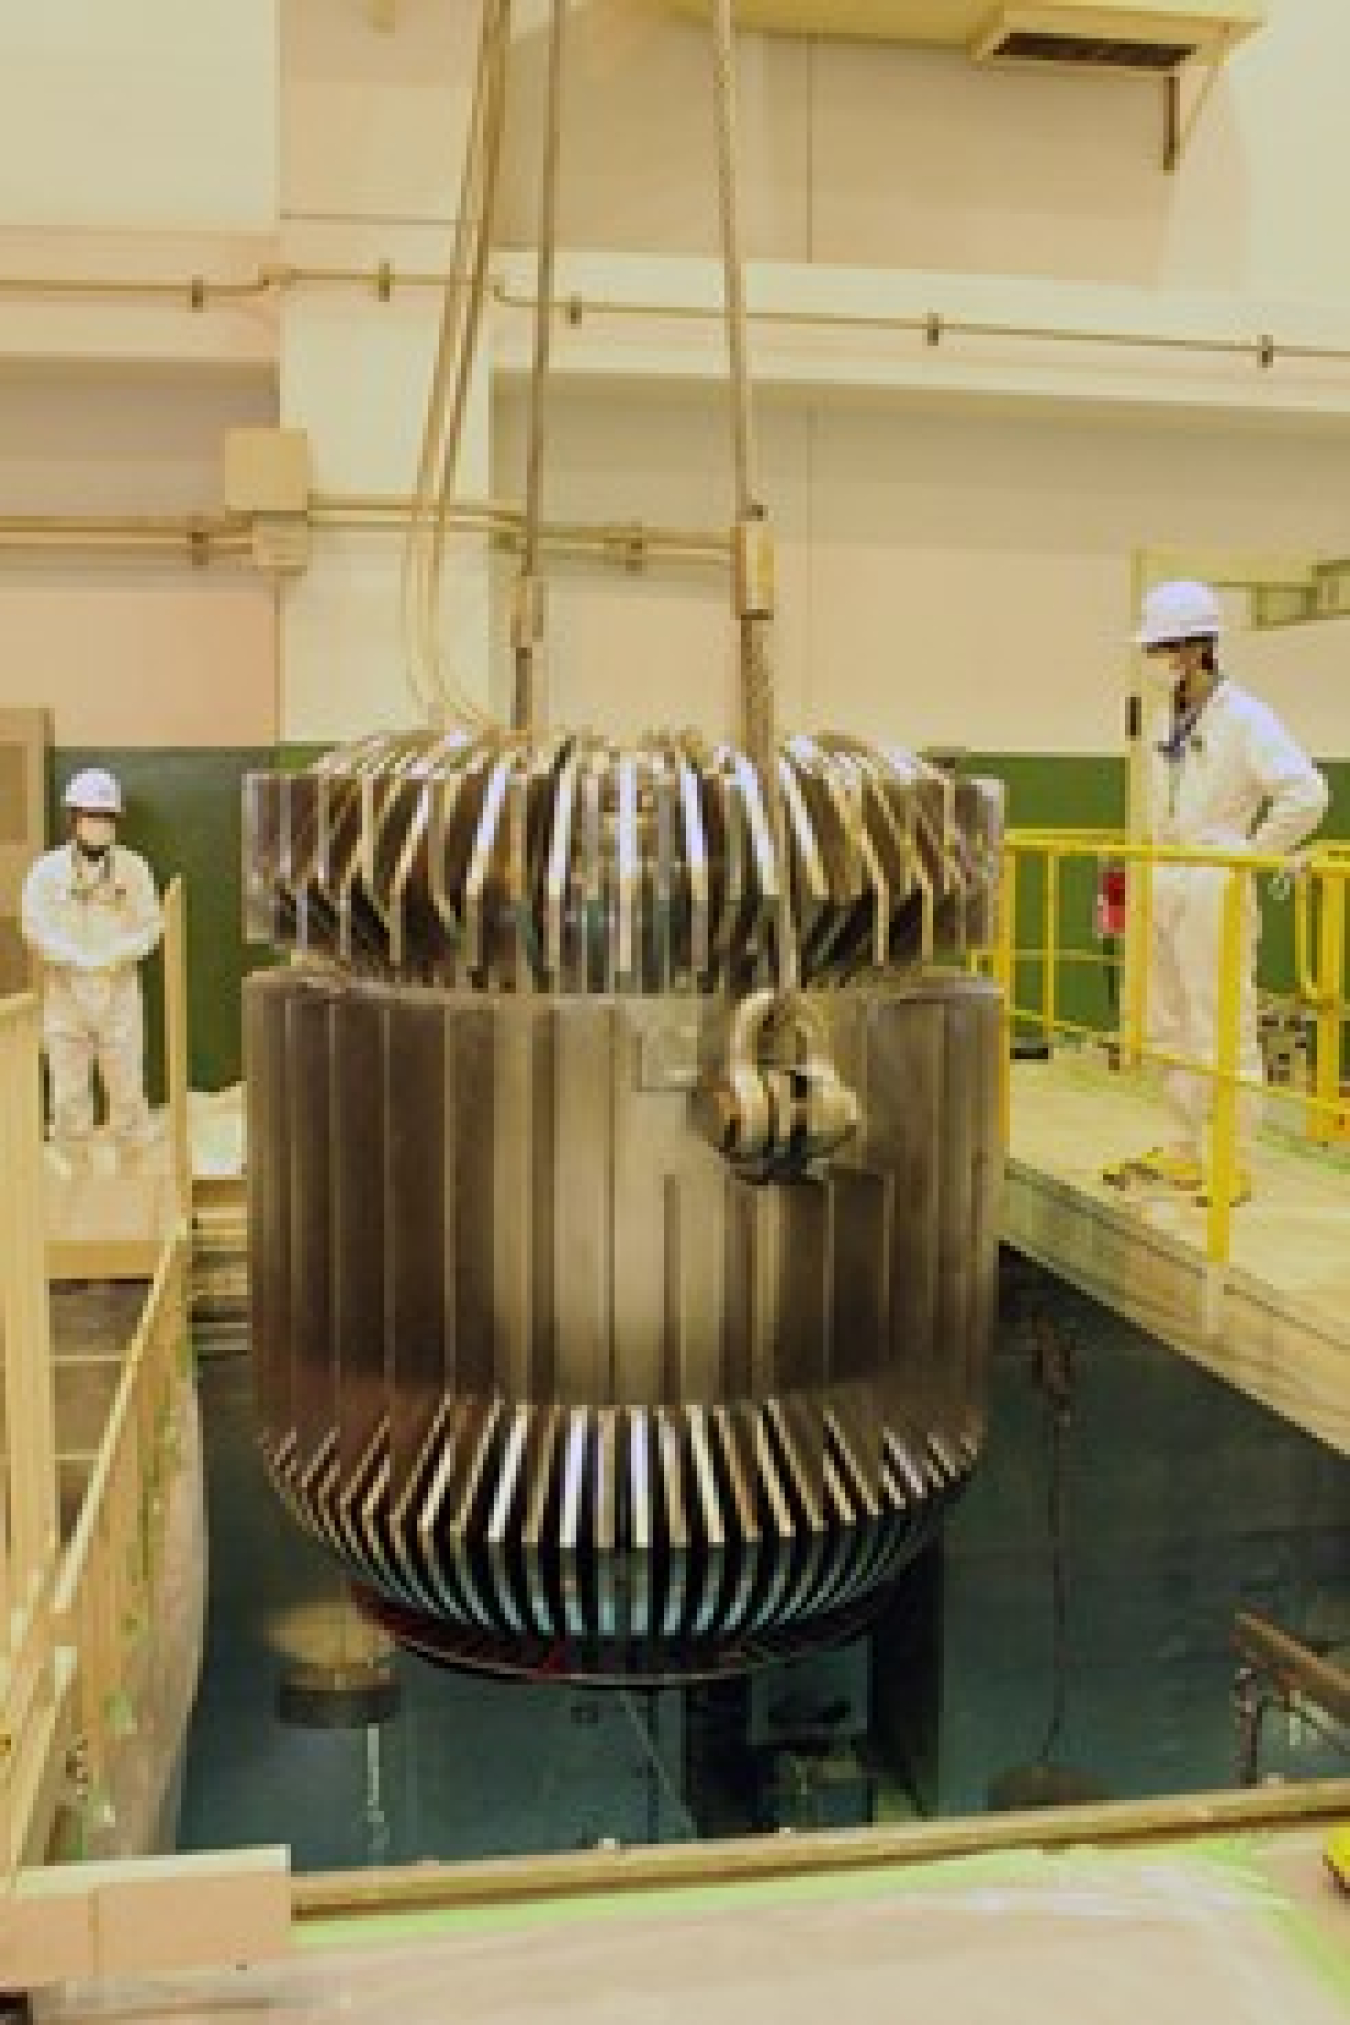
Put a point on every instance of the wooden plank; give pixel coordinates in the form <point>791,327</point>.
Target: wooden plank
<point>107,1226</point>
<point>95,1258</point>
<point>757,1859</point>
<point>146,1915</point>
<point>24,737</point>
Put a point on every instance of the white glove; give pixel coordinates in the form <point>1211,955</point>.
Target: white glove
<point>1295,867</point>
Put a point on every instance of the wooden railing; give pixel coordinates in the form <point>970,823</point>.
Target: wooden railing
<point>31,1681</point>
<point>107,1592</point>
<point>176,1040</point>
<point>75,1621</point>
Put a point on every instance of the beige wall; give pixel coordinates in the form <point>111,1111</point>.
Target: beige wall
<point>138,140</point>
<point>956,524</point>
<point>141,652</point>
<point>871,155</point>
<point>374,124</point>
<point>946,576</point>
<point>372,119</point>
<point>139,114</point>
<point>143,657</point>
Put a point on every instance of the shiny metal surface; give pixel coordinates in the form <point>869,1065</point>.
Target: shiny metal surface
<point>559,1386</point>
<point>495,862</point>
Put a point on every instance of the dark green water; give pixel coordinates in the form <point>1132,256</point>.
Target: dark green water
<point>1179,1504</point>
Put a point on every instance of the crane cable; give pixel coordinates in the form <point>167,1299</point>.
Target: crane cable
<point>527,618</point>
<point>753,552</point>
<point>436,692</point>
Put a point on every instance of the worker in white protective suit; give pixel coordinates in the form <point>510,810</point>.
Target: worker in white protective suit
<point>1226,775</point>
<point>91,912</point>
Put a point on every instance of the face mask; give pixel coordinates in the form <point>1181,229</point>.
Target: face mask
<point>94,834</point>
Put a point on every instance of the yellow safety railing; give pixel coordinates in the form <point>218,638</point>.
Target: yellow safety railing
<point>1319,924</point>
<point>1318,895</point>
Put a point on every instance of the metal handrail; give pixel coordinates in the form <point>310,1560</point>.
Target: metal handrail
<point>1292,1665</point>
<point>1319,883</point>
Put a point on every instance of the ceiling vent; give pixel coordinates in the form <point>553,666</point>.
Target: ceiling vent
<point>1182,42</point>
<point>1113,34</point>
<point>1153,36</point>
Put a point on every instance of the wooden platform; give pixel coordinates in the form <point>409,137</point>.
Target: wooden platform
<point>1275,1322</point>
<point>106,1225</point>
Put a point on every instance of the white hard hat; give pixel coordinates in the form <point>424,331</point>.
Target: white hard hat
<point>94,792</point>
<point>1182,610</point>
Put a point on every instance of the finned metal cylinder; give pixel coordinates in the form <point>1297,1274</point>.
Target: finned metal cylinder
<point>551,1377</point>
<point>621,1291</point>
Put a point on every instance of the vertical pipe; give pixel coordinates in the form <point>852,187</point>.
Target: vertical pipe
<point>753,546</point>
<point>1223,1146</point>
<point>742,419</point>
<point>527,619</point>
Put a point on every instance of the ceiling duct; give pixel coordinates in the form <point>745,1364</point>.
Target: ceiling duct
<point>1109,35</point>
<point>1182,42</point>
<point>1087,34</point>
<point>1020,45</point>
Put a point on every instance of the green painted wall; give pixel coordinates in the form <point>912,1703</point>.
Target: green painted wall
<point>183,812</point>
<point>1075,792</point>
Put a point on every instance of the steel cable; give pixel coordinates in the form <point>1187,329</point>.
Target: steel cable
<point>528,611</point>
<point>759,730</point>
<point>461,320</point>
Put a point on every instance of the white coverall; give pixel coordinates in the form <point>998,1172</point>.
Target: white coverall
<point>1237,760</point>
<point>91,922</point>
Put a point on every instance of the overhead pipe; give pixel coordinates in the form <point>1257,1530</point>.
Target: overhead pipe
<point>934,327</point>
<point>205,538</point>
<point>202,292</point>
<point>200,540</point>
